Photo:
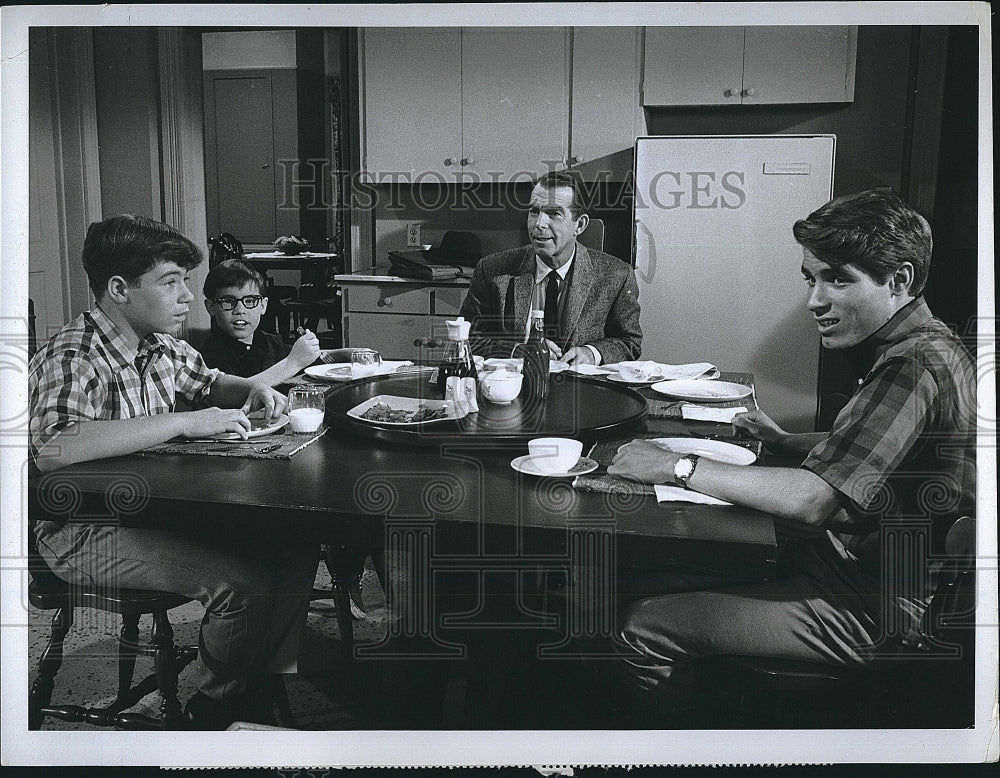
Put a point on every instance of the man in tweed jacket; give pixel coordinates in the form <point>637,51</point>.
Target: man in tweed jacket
<point>596,318</point>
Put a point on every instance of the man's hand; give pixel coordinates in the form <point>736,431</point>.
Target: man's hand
<point>214,421</point>
<point>643,461</point>
<point>554,351</point>
<point>579,355</point>
<point>305,350</point>
<point>761,426</point>
<point>262,396</point>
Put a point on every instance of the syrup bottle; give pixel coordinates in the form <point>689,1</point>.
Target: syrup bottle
<point>458,355</point>
<point>536,360</point>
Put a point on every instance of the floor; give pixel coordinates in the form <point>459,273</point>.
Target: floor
<point>333,693</point>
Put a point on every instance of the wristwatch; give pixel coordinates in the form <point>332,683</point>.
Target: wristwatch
<point>684,469</point>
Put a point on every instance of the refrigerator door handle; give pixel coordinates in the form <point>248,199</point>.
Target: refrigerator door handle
<point>645,253</point>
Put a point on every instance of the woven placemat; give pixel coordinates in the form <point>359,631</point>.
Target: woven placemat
<point>280,445</point>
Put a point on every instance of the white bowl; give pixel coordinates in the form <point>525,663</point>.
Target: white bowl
<point>500,386</point>
<point>554,455</point>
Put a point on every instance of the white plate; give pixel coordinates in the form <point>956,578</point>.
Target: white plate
<point>718,450</point>
<point>342,371</point>
<point>258,429</point>
<point>408,404</point>
<point>705,391</point>
<point>527,466</point>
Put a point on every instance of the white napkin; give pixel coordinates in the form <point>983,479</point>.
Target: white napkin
<point>691,370</point>
<point>590,369</point>
<point>664,372</point>
<point>703,413</point>
<point>677,494</point>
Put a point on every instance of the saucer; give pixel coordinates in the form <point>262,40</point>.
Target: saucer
<point>527,466</point>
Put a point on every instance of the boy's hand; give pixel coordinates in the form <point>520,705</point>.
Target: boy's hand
<point>305,350</point>
<point>214,421</point>
<point>262,396</point>
<point>761,426</point>
<point>643,461</point>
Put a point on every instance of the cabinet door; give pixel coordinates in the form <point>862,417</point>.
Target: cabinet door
<point>515,101</point>
<point>693,66</point>
<point>413,102</point>
<point>605,115</point>
<point>799,64</point>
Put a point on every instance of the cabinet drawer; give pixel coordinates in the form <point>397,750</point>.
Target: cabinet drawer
<point>391,335</point>
<point>388,298</point>
<point>448,300</point>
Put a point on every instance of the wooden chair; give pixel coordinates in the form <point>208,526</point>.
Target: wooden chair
<point>312,305</point>
<point>925,681</point>
<point>593,236</point>
<point>48,592</point>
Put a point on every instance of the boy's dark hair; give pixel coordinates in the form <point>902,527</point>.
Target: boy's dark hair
<point>129,245</point>
<point>232,272</point>
<point>875,231</point>
<point>558,178</point>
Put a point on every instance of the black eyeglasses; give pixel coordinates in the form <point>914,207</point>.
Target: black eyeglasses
<point>228,303</point>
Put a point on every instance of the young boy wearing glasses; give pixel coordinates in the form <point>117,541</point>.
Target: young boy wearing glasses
<point>234,298</point>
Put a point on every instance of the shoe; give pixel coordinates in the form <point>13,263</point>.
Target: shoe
<point>205,713</point>
<point>357,604</point>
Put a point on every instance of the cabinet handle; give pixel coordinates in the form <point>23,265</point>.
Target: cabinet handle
<point>731,93</point>
<point>385,302</point>
<point>450,161</point>
<point>749,92</point>
<point>468,161</point>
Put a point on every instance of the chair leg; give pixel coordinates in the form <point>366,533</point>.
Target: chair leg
<point>166,671</point>
<point>127,646</point>
<point>341,600</point>
<point>41,690</point>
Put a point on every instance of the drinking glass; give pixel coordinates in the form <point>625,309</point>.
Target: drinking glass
<point>365,362</point>
<point>306,407</point>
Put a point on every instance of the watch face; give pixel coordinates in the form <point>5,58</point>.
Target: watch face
<point>683,468</point>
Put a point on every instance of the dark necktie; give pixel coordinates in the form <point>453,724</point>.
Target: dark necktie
<point>552,306</point>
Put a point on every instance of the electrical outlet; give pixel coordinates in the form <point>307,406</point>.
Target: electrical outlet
<point>413,234</point>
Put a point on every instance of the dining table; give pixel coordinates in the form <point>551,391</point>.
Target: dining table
<point>473,537</point>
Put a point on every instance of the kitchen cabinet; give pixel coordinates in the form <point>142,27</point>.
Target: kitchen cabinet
<point>749,65</point>
<point>388,313</point>
<point>606,115</point>
<point>477,103</point>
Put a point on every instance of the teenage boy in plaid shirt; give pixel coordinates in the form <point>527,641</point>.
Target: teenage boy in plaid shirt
<point>106,385</point>
<point>902,448</point>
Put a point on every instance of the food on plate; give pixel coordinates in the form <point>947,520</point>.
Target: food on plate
<point>386,413</point>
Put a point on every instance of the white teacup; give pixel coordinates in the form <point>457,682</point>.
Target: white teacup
<point>637,371</point>
<point>500,386</point>
<point>554,455</point>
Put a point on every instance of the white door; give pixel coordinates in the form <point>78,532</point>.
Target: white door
<point>718,268</point>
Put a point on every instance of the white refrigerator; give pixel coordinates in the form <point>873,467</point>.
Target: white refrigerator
<point>717,265</point>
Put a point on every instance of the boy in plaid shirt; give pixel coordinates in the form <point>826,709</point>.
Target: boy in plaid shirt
<point>106,385</point>
<point>900,453</point>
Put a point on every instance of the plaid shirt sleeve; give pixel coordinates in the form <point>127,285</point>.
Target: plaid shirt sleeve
<point>62,390</point>
<point>876,431</point>
<point>193,378</point>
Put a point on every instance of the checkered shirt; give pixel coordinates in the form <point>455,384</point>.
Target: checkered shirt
<point>904,445</point>
<point>87,372</point>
